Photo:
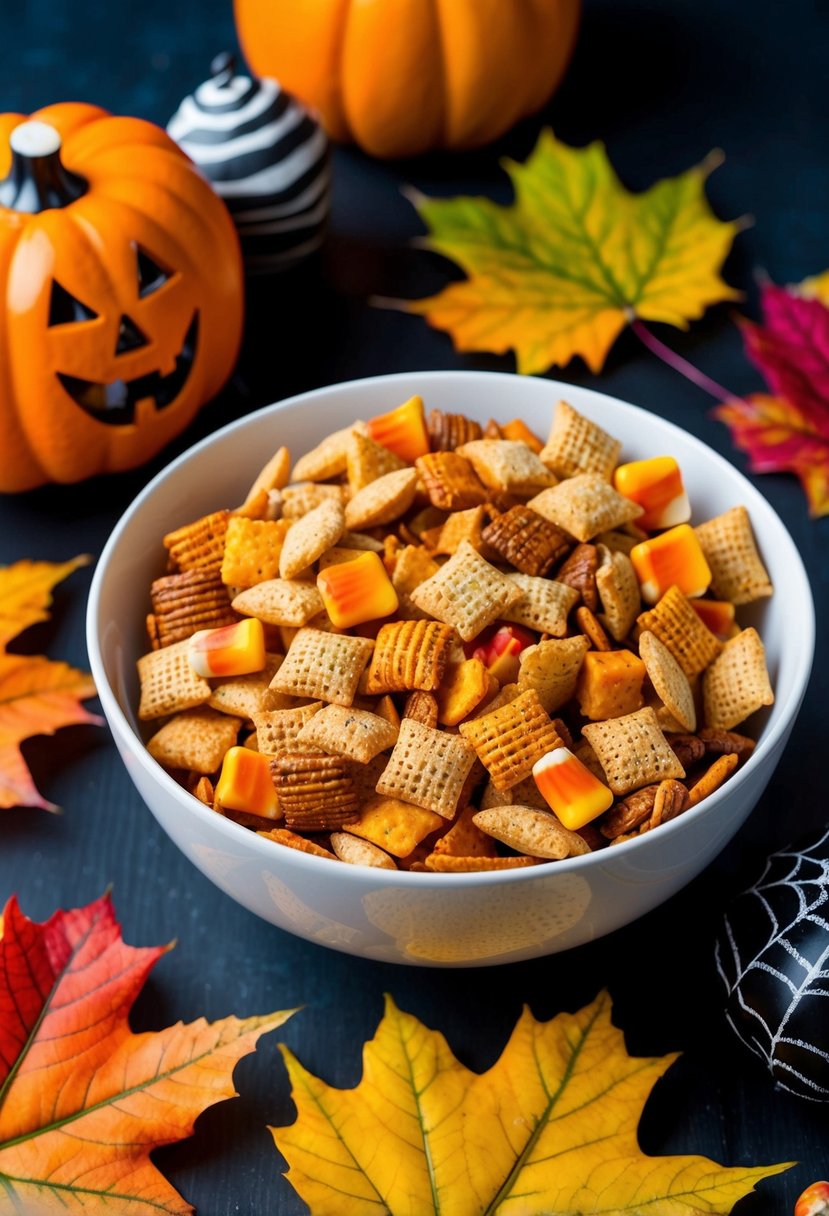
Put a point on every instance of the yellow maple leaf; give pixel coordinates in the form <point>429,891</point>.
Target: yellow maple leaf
<point>550,1129</point>
<point>574,258</point>
<point>37,695</point>
<point>815,288</point>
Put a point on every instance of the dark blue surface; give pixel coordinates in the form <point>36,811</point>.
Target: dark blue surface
<point>662,84</point>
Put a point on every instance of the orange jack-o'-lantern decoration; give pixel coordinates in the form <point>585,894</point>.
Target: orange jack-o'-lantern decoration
<point>122,285</point>
<point>399,77</point>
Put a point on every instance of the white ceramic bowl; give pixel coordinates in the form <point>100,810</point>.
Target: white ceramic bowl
<point>437,919</point>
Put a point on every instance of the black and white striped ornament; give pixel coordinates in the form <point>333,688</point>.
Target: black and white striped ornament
<point>773,958</point>
<point>266,156</point>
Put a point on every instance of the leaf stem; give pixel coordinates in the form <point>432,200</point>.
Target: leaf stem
<point>686,369</point>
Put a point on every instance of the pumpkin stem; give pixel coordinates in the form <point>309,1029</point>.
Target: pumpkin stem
<point>38,179</point>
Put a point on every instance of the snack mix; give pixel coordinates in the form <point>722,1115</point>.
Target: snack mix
<point>428,646</point>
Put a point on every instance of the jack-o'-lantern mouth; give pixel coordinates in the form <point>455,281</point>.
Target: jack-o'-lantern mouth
<point>114,403</point>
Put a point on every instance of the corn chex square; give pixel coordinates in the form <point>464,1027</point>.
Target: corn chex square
<point>467,593</point>
<point>278,730</point>
<point>169,685</point>
<point>669,681</point>
<point>279,601</point>
<point>196,739</point>
<point>354,733</point>
<point>413,566</point>
<point>678,627</point>
<point>618,589</point>
<point>737,572</point>
<point>297,500</point>
<point>252,550</point>
<point>367,460</point>
<point>552,669</point>
<point>309,537</point>
<point>382,501</point>
<point>511,739</point>
<point>326,460</point>
<point>584,506</point>
<point>323,666</point>
<point>544,604</point>
<point>737,682</point>
<point>427,768</point>
<point>633,751</point>
<point>244,696</point>
<point>577,445</point>
<point>507,464</point>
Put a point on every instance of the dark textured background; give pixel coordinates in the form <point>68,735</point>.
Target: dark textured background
<point>662,84</point>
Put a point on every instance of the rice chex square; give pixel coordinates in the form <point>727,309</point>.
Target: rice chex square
<point>427,768</point>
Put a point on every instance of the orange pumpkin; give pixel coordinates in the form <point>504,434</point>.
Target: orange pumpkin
<point>400,77</point>
<point>122,284</point>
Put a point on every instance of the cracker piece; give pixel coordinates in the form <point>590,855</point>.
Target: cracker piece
<point>326,460</point>
<point>298,500</point>
<point>737,682</point>
<point>187,601</point>
<point>409,655</point>
<point>526,540</point>
<point>412,566</point>
<point>467,593</point>
<point>507,464</point>
<point>252,550</point>
<point>423,707</point>
<point>448,431</point>
<point>323,666</point>
<point>579,571</point>
<point>618,589</point>
<point>277,601</point>
<point>310,536</point>
<point>633,751</point>
<point>292,841</point>
<point>316,793</point>
<point>577,445</point>
<point>394,825</point>
<point>737,571</point>
<point>713,778</point>
<point>361,540</point>
<point>465,838</point>
<point>584,506</point>
<point>353,733</point>
<point>169,685</point>
<point>465,686</point>
<point>669,681</point>
<point>511,739</point>
<point>427,768</point>
<point>530,831</point>
<point>360,852</point>
<point>544,604</point>
<point>552,669</point>
<point>278,730</point>
<point>243,696</point>
<point>199,544</point>
<point>196,739</point>
<point>367,460</point>
<point>382,501</point>
<point>678,627</point>
<point>450,482</point>
<point>441,864</point>
<point>274,476</point>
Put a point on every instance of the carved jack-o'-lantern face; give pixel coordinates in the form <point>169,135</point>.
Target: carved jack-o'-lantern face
<point>122,281</point>
<point>113,401</point>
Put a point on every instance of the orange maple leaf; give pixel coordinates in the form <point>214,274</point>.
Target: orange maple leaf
<point>83,1100</point>
<point>37,695</point>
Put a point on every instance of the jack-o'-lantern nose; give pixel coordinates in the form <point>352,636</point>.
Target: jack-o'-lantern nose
<point>130,337</point>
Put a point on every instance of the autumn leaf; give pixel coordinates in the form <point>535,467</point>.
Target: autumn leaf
<point>575,258</point>
<point>550,1128</point>
<point>83,1100</point>
<point>787,430</point>
<point>37,695</point>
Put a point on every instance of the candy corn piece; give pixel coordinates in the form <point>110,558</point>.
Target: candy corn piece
<point>402,431</point>
<point>717,615</point>
<point>673,557</point>
<point>518,430</point>
<point>814,1201</point>
<point>357,591</point>
<point>656,485</point>
<point>570,789</point>
<point>245,784</point>
<point>233,650</point>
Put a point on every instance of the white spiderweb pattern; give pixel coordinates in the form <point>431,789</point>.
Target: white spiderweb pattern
<point>773,957</point>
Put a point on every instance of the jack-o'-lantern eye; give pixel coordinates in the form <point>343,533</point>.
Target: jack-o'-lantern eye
<point>66,309</point>
<point>151,275</point>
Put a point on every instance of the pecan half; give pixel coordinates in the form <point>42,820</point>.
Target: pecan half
<point>726,743</point>
<point>579,572</point>
<point>689,749</point>
<point>449,431</point>
<point>671,800</point>
<point>629,813</point>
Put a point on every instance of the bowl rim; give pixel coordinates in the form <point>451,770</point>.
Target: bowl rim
<point>358,875</point>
